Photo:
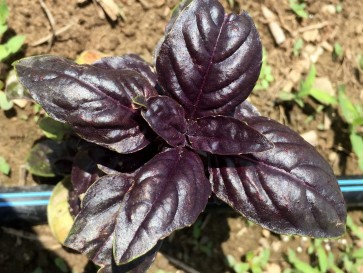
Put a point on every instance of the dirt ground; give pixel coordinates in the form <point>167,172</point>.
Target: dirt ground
<point>223,233</point>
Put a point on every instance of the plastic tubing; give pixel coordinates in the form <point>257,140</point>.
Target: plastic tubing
<point>28,205</point>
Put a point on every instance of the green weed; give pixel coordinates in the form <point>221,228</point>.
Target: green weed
<point>306,89</point>
<point>253,263</point>
<point>266,77</point>
<point>298,45</point>
<point>298,7</point>
<point>353,115</point>
<point>4,166</point>
<point>15,43</point>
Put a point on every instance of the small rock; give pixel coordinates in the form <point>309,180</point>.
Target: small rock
<point>326,46</point>
<point>276,246</point>
<point>20,102</point>
<point>311,137</point>
<point>159,3</point>
<point>359,29</point>
<point>264,242</point>
<point>299,249</point>
<point>327,247</point>
<point>328,9</point>
<point>266,233</point>
<point>327,122</point>
<point>273,268</point>
<point>311,35</point>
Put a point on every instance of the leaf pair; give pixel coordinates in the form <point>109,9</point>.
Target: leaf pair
<point>131,213</point>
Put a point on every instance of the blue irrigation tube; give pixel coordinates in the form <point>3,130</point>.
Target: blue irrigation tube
<point>29,205</point>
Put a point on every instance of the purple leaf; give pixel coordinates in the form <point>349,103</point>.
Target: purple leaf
<point>84,172</point>
<point>96,102</point>
<point>289,189</point>
<point>167,118</point>
<point>170,191</point>
<point>130,61</point>
<point>245,110</point>
<point>139,265</point>
<point>93,230</point>
<point>225,136</point>
<point>209,61</point>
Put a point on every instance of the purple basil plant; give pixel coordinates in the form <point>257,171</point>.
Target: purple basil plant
<point>175,135</point>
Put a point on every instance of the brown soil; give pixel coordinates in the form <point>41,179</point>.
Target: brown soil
<point>223,233</point>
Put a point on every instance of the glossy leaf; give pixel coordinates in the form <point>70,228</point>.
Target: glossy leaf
<point>130,61</point>
<point>96,102</point>
<point>93,229</point>
<point>139,265</point>
<point>167,118</point>
<point>225,136</point>
<point>245,110</point>
<point>209,61</point>
<point>170,191</point>
<point>84,172</point>
<point>288,189</point>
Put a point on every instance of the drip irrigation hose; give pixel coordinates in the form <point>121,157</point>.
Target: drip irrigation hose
<point>28,205</point>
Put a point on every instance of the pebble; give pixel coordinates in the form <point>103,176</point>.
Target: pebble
<point>273,268</point>
<point>328,9</point>
<point>264,242</point>
<point>266,233</point>
<point>311,137</point>
<point>276,246</point>
<point>311,35</point>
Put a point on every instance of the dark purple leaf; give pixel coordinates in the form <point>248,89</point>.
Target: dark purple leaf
<point>93,230</point>
<point>130,61</point>
<point>245,110</point>
<point>167,118</point>
<point>170,191</point>
<point>84,172</point>
<point>288,189</point>
<point>139,265</point>
<point>225,136</point>
<point>74,202</point>
<point>209,61</point>
<point>176,12</point>
<point>125,163</point>
<point>96,102</point>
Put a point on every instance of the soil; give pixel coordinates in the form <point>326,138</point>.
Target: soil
<point>223,233</point>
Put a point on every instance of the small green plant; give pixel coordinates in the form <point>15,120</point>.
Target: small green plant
<point>61,264</point>
<point>349,259</point>
<point>297,47</point>
<point>339,7</point>
<point>231,3</point>
<point>198,243</point>
<point>306,89</point>
<point>360,61</point>
<point>338,51</point>
<point>4,166</point>
<point>353,115</point>
<point>12,45</point>
<point>298,7</point>
<point>253,263</point>
<point>266,77</point>
<point>5,104</point>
